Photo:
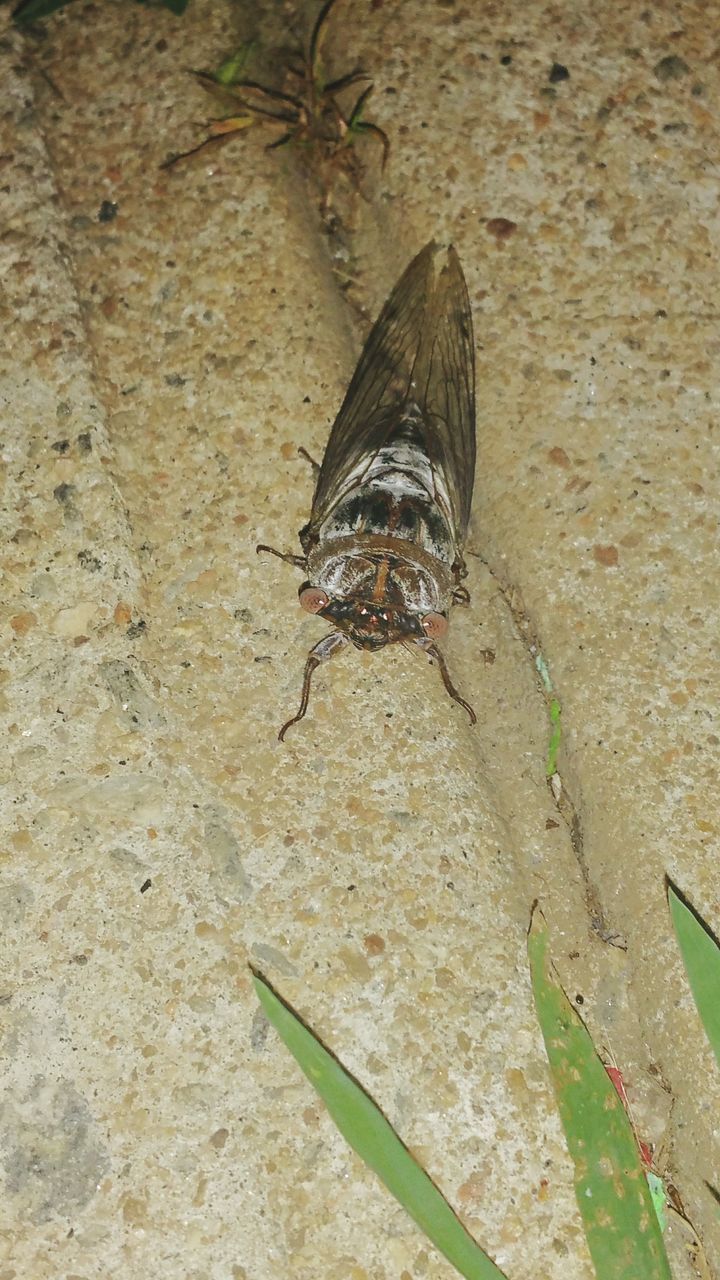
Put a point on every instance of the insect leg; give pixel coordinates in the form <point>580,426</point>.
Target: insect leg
<point>459,568</point>
<point>461,595</point>
<point>435,655</point>
<point>299,561</point>
<point>322,651</point>
<point>315,465</point>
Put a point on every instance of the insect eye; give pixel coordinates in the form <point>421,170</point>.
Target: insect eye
<point>435,625</point>
<point>313,600</point>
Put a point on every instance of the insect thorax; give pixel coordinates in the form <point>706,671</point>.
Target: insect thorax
<point>388,539</point>
<point>383,570</point>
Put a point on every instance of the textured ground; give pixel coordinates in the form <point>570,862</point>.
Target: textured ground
<point>159,370</point>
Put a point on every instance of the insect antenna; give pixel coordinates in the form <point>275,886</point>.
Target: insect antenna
<point>299,561</point>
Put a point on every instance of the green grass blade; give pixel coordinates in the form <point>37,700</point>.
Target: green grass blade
<point>701,956</point>
<point>621,1226</point>
<point>33,10</point>
<point>555,712</point>
<point>234,67</point>
<point>363,1125</point>
<point>177,7</point>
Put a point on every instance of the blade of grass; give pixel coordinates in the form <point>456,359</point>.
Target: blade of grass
<point>701,957</point>
<point>33,10</point>
<point>234,67</point>
<point>621,1227</point>
<point>363,1125</point>
<point>555,712</point>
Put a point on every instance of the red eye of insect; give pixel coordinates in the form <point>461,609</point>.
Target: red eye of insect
<point>435,625</point>
<point>313,600</point>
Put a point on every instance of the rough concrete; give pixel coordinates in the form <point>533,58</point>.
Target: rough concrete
<point>159,370</point>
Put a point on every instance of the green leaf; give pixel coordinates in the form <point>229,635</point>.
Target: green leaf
<point>363,1125</point>
<point>555,738</point>
<point>32,10</point>
<point>234,67</point>
<point>621,1227</point>
<point>701,955</point>
<point>555,711</point>
<point>659,1198</point>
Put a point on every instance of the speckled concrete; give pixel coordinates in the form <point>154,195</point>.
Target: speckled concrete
<point>158,372</point>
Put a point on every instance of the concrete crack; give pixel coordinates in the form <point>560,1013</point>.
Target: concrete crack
<point>567,809</point>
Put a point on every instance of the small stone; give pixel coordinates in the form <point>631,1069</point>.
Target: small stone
<point>122,613</point>
<point>89,561</point>
<point>108,211</point>
<point>558,456</point>
<point>558,72</point>
<point>74,621</point>
<point>374,944</point>
<point>671,68</point>
<point>606,555</point>
<point>501,228</point>
<point>21,623</point>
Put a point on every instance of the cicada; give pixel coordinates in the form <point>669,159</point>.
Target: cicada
<point>382,551</point>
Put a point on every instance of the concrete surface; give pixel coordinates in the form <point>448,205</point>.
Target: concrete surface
<point>159,371</point>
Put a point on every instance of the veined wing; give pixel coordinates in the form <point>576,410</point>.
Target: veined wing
<point>419,358</point>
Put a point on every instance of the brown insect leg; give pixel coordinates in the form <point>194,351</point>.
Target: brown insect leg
<point>459,569</point>
<point>461,595</point>
<point>315,465</point>
<point>320,653</point>
<point>299,561</point>
<point>436,656</point>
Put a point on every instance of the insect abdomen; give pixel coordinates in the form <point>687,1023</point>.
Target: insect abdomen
<point>386,508</point>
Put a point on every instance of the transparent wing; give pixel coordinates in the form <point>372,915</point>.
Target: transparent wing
<point>420,355</point>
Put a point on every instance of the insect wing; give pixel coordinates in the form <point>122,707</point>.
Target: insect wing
<point>444,386</point>
<point>419,356</point>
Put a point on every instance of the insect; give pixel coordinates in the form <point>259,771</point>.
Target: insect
<point>308,110</point>
<point>382,551</point>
